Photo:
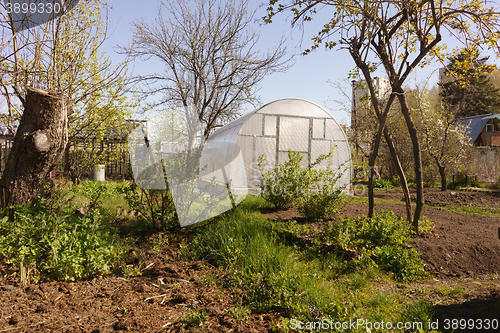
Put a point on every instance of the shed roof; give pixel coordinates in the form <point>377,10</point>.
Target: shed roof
<point>476,124</point>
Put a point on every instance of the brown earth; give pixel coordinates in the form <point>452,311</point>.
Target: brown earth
<point>169,289</point>
<point>460,247</point>
<point>461,244</point>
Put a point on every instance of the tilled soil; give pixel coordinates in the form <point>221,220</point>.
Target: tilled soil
<point>461,244</point>
<point>170,289</point>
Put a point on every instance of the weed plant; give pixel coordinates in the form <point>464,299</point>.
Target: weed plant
<point>193,319</point>
<point>59,245</point>
<point>384,184</point>
<point>155,206</point>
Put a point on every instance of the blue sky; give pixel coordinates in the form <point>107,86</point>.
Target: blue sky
<point>308,78</point>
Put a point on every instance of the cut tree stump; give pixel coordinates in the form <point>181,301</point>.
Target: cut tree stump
<point>38,145</point>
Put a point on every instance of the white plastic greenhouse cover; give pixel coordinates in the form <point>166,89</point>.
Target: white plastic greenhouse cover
<point>272,130</point>
<point>206,179</point>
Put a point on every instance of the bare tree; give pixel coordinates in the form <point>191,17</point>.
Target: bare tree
<point>211,57</point>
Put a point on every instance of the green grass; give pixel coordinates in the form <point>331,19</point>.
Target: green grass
<point>449,291</point>
<point>485,211</point>
<point>299,282</point>
<point>109,195</point>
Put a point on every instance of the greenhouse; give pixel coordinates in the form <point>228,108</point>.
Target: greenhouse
<point>272,130</point>
<point>208,178</point>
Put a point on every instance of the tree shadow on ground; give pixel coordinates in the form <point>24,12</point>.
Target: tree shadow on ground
<point>480,314</point>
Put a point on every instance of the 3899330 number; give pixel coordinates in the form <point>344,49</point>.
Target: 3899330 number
<point>470,324</point>
<point>33,8</point>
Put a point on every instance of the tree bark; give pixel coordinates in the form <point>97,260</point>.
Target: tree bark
<point>38,144</point>
<point>382,118</point>
<point>412,130</point>
<point>442,172</point>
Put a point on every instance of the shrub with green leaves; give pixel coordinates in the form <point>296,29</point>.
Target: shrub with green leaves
<point>64,246</point>
<point>406,265</point>
<point>313,190</point>
<point>384,238</point>
<point>281,185</point>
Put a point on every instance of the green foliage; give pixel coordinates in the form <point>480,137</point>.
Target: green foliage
<point>194,319</point>
<point>382,240</point>
<point>106,196</point>
<point>245,244</point>
<point>91,189</point>
<point>418,312</point>
<point>313,190</point>
<point>425,225</point>
<point>281,185</point>
<point>469,91</point>
<point>381,183</point>
<point>156,206</point>
<point>239,312</point>
<point>276,274</point>
<point>406,265</point>
<point>59,246</point>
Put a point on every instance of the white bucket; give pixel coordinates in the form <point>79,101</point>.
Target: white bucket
<point>98,174</point>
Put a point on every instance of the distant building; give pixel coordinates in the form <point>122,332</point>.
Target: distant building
<point>361,102</point>
<point>443,77</point>
<point>483,130</point>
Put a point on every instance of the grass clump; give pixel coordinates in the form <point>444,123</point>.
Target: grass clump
<point>384,184</point>
<point>193,319</point>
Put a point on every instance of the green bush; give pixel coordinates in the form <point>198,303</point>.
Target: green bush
<point>383,240</point>
<point>59,246</point>
<point>319,206</point>
<point>281,185</point>
<point>385,228</point>
<point>314,191</point>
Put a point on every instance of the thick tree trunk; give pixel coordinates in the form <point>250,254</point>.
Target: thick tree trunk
<point>38,144</point>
